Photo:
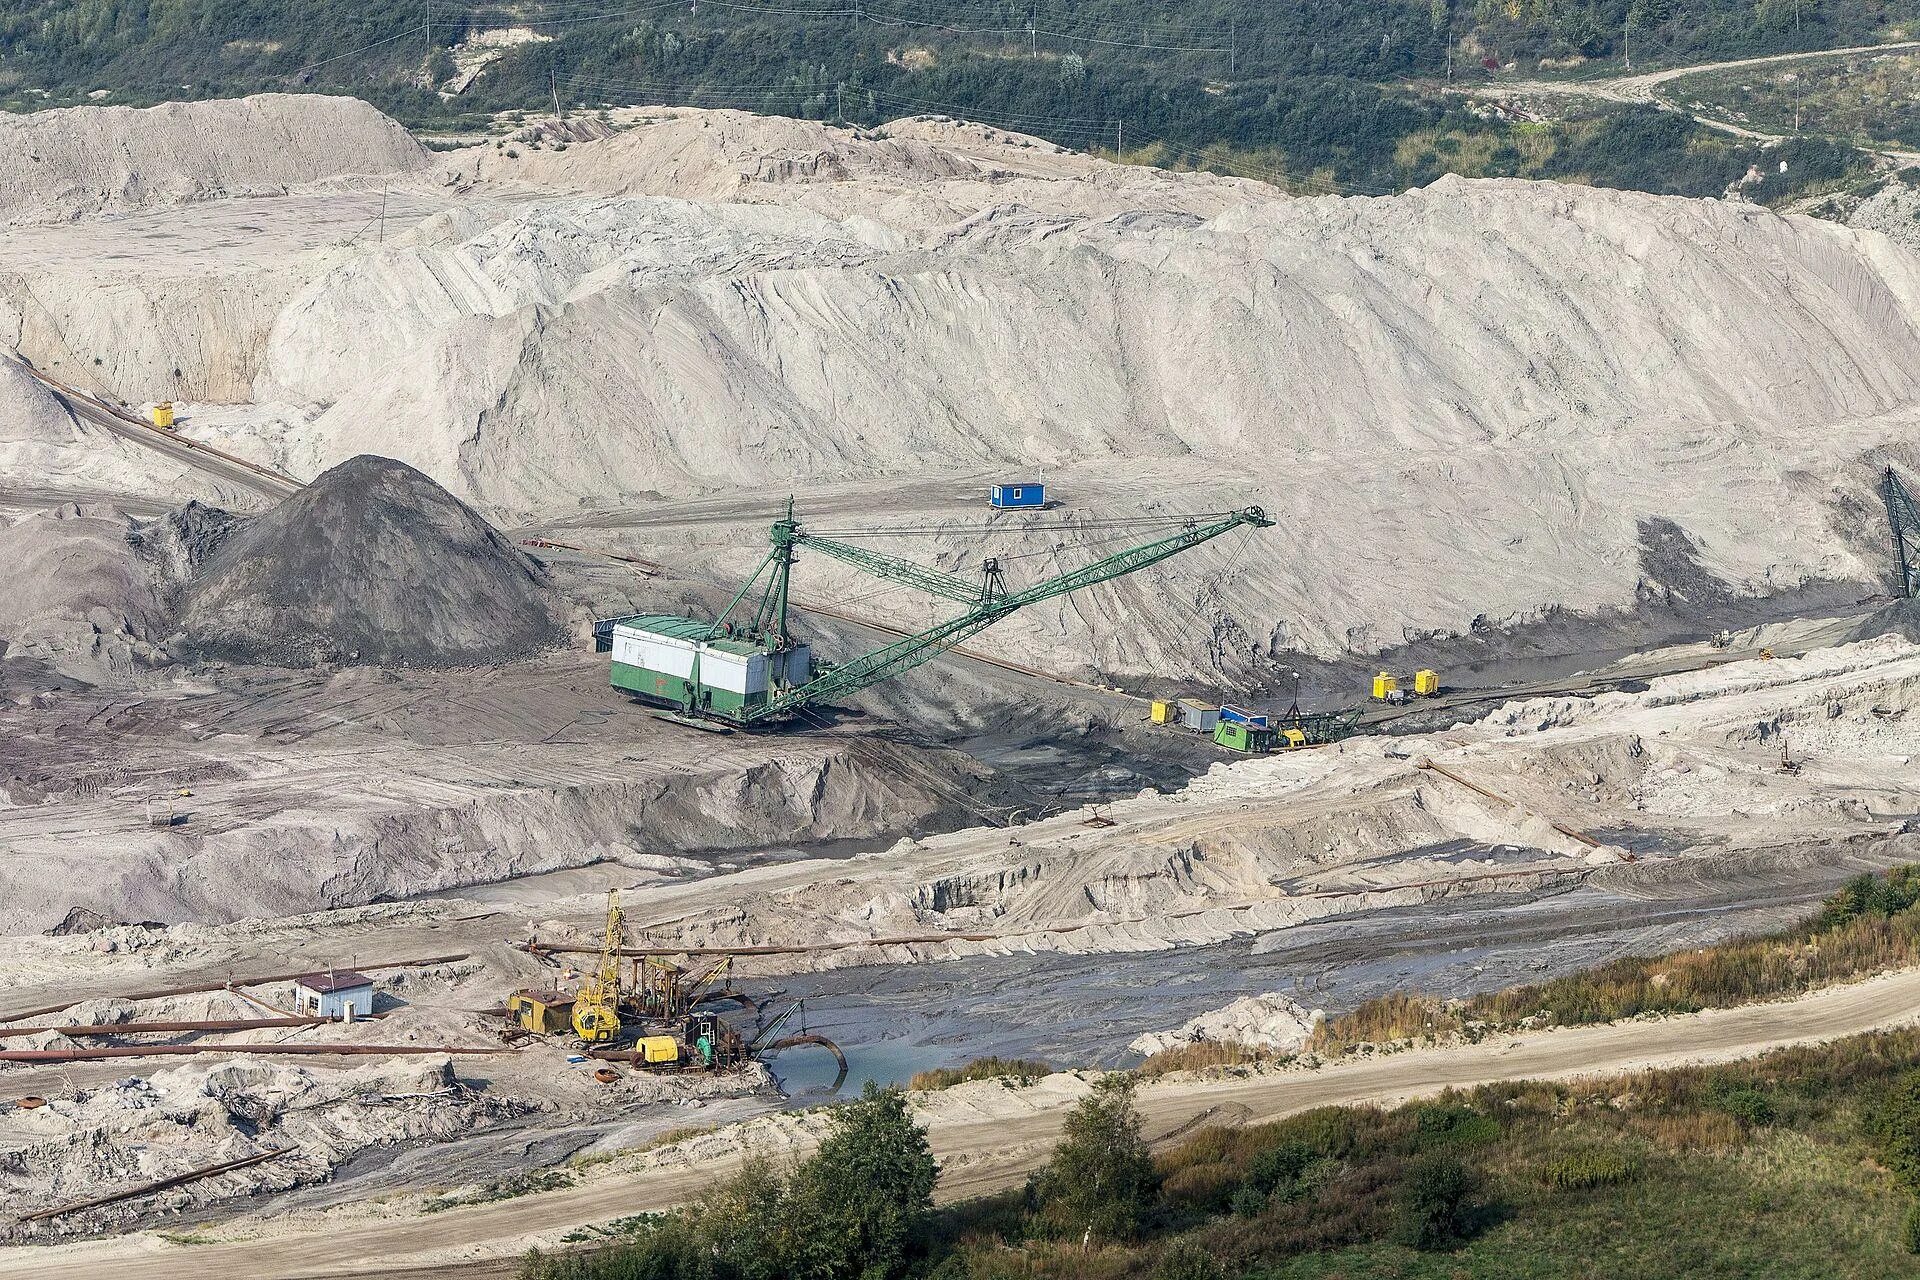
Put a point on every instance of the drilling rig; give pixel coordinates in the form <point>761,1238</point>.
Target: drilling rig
<point>745,669</point>
<point>596,1009</point>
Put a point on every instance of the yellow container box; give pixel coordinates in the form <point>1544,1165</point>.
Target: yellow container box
<point>1162,711</point>
<point>658,1049</point>
<point>163,414</point>
<point>1384,685</point>
<point>1426,683</point>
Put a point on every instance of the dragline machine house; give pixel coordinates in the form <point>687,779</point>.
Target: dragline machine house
<point>745,669</point>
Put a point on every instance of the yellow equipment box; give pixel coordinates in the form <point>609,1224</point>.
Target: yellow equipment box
<point>658,1050</point>
<point>1384,685</point>
<point>1162,711</point>
<point>1292,738</point>
<point>1426,683</point>
<point>163,414</point>
<point>545,1013</point>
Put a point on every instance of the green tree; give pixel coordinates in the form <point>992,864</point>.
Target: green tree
<point>1433,1202</point>
<point>1101,1181</point>
<point>746,1221</point>
<point>859,1207</point>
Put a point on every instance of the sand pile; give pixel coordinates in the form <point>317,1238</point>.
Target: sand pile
<point>373,564</point>
<point>75,593</point>
<point>1270,1021</point>
<point>716,155</point>
<point>56,165</point>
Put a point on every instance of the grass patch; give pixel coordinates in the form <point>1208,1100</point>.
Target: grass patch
<point>1870,926</point>
<point>1644,1175</point>
<point>524,1184</point>
<point>1203,1054</point>
<point>1022,1071</point>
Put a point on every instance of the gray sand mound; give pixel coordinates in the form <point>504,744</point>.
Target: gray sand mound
<point>1900,618</point>
<point>56,165</point>
<point>375,564</point>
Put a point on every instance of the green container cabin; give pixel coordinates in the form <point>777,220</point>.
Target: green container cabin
<point>1235,736</point>
<point>676,663</point>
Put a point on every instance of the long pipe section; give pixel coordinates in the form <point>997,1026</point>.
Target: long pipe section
<point>155,1050</point>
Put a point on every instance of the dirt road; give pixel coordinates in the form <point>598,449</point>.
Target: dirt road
<point>1645,87</point>
<point>981,1150</point>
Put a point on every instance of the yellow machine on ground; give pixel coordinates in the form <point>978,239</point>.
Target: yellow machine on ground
<point>1387,687</point>
<point>596,1010</point>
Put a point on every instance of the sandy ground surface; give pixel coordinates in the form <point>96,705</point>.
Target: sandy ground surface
<point>986,1137</point>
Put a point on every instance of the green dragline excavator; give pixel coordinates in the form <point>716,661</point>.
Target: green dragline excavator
<point>745,669</point>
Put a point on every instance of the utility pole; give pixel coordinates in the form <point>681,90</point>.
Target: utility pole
<point>1233,47</point>
<point>1626,41</point>
<point>840,101</point>
<point>426,31</point>
<point>383,213</point>
<point>1119,138</point>
<point>1033,28</point>
<point>553,83</point>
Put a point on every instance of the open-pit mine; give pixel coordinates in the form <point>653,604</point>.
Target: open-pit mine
<point>526,667</point>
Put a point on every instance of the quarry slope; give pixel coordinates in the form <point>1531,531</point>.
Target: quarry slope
<point>1693,394</point>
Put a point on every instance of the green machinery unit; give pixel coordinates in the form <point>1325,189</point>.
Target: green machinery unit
<point>746,670</point>
<point>1288,732</point>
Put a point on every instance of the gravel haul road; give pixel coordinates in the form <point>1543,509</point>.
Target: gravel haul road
<point>983,1150</point>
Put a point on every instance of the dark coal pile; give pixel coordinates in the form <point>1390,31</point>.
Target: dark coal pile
<point>373,564</point>
<point>1900,618</point>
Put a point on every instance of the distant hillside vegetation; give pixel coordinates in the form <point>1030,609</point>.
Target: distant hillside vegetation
<point>1318,94</point>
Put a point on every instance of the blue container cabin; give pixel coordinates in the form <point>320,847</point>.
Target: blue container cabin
<point>1252,719</point>
<point>1007,497</point>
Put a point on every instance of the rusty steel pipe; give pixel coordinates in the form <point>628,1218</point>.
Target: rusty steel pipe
<point>142,1028</point>
<point>157,1050</point>
<point>161,1184</point>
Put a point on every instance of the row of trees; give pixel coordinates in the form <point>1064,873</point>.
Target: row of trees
<point>861,1207</point>
<point>1312,90</point>
<point>126,41</point>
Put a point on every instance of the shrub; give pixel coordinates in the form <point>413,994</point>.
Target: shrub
<point>1592,1167</point>
<point>1248,1202</point>
<point>862,1202</point>
<point>1185,1260</point>
<point>1744,1103</point>
<point>1433,1208</point>
<point>1275,1172</point>
<point>1910,1229</point>
<point>1894,1125</point>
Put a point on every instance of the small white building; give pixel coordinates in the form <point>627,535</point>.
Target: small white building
<point>337,993</point>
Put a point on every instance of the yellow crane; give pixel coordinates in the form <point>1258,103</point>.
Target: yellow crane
<point>596,1009</point>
